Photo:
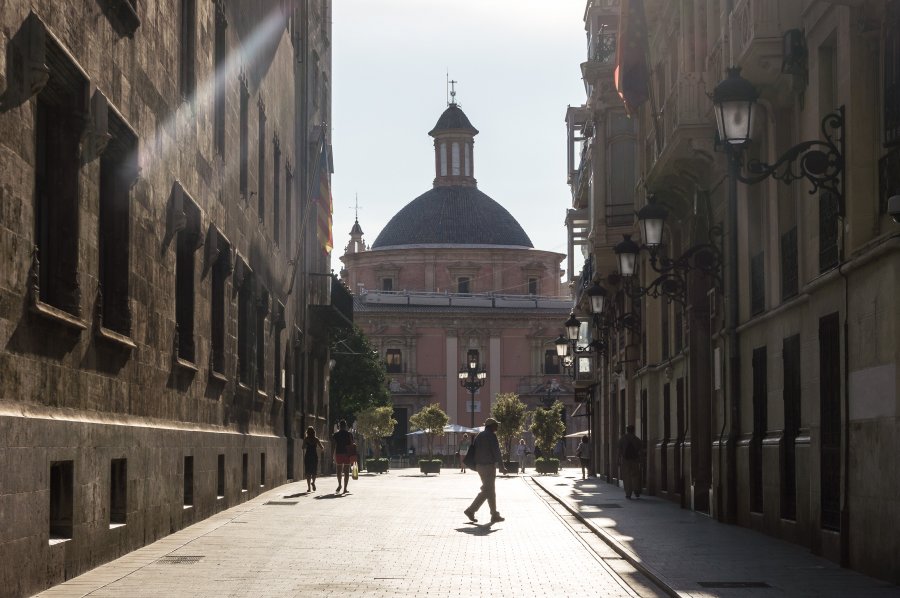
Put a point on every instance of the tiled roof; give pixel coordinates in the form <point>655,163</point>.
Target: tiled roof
<point>454,215</point>
<point>453,119</point>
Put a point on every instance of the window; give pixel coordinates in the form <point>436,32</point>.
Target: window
<point>387,284</point>
<point>220,477</point>
<point>58,128</point>
<point>220,52</point>
<point>262,470</point>
<point>188,49</point>
<point>261,170</point>
<point>468,160</point>
<point>315,79</point>
<point>664,453</point>
<point>443,159</point>
<point>244,281</point>
<point>760,389</point>
<point>245,139</point>
<point>118,491</point>
<point>288,209</point>
<point>892,74</point>
<point>454,159</point>
<point>830,420</point>
<point>262,310</point>
<point>462,284</point>
<point>118,170</point>
<point>188,240</point>
<point>532,286</point>
<point>393,361</point>
<point>551,362</point>
<point>277,363</point>
<point>791,397</point>
<point>188,481</point>
<point>276,191</point>
<point>220,255</point>
<point>62,501</point>
<point>245,473</point>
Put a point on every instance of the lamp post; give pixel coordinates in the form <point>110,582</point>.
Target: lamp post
<point>472,377</point>
<point>821,162</point>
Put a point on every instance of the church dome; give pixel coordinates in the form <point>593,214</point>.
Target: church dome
<point>453,119</point>
<point>453,215</point>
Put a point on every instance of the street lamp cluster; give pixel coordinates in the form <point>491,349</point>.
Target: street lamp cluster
<point>472,377</point>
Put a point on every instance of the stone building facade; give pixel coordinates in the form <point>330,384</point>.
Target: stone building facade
<point>787,420</point>
<point>155,168</point>
<point>454,272</point>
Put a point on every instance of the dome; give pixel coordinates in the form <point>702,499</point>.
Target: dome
<point>452,215</point>
<point>453,119</point>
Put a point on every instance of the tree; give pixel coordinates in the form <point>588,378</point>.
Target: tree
<point>430,420</point>
<point>358,378</point>
<point>509,412</point>
<point>548,427</point>
<point>376,423</point>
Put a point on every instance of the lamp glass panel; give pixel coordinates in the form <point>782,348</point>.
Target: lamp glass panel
<point>572,330</point>
<point>562,348</point>
<point>626,263</point>
<point>652,230</point>
<point>735,120</point>
<point>597,303</point>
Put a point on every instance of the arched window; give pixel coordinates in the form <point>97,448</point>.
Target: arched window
<point>454,167</point>
<point>443,159</point>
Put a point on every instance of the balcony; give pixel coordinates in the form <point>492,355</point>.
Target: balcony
<point>601,57</point>
<point>756,28</point>
<point>685,132</point>
<point>331,304</point>
<point>582,178</point>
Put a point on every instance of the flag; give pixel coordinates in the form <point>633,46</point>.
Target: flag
<point>322,198</point>
<point>632,76</point>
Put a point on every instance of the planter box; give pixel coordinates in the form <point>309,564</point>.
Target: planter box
<point>512,467</point>
<point>427,467</point>
<point>377,465</point>
<point>546,465</point>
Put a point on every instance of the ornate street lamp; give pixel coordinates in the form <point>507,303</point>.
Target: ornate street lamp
<point>821,162</point>
<point>472,377</point>
<point>671,281</point>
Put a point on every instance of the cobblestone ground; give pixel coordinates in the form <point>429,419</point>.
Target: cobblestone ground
<point>399,534</point>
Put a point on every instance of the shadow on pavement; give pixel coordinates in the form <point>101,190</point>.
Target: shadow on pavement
<point>329,495</point>
<point>296,495</point>
<point>477,530</point>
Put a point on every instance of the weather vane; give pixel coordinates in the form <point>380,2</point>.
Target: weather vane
<point>451,85</point>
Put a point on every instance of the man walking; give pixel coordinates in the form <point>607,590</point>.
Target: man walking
<point>487,457</point>
<point>630,462</point>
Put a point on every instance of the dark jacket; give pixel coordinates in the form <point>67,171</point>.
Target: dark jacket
<point>487,448</point>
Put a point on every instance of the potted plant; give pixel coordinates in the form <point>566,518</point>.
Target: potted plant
<point>431,420</point>
<point>375,423</point>
<point>548,428</point>
<point>509,411</point>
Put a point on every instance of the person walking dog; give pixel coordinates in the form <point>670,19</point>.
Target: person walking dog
<point>630,462</point>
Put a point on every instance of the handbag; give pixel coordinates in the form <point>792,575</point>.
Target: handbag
<point>469,459</point>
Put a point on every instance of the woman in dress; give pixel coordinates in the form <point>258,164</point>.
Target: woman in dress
<point>311,447</point>
<point>343,456</point>
<point>464,445</point>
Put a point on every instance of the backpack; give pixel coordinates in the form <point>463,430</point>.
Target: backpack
<point>469,459</point>
<point>632,453</point>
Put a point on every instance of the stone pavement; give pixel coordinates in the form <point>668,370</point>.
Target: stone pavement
<point>681,548</point>
<point>399,534</point>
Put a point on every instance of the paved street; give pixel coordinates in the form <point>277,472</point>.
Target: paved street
<point>403,534</point>
<point>399,534</point>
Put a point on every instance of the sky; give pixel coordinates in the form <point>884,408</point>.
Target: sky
<point>517,67</point>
